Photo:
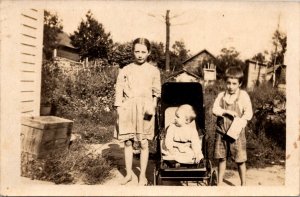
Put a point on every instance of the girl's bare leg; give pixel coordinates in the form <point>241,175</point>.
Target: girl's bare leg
<point>128,151</point>
<point>144,162</point>
<point>221,170</point>
<point>242,172</point>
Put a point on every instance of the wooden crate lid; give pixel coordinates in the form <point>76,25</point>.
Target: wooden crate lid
<point>46,122</point>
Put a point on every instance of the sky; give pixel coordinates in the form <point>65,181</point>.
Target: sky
<point>213,25</point>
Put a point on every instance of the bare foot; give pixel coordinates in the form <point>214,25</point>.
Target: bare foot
<point>143,181</point>
<point>126,179</point>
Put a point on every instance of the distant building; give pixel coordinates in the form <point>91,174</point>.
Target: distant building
<point>65,49</point>
<point>257,73</point>
<point>202,64</point>
<point>184,76</point>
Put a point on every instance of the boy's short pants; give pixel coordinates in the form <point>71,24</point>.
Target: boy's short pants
<point>235,150</point>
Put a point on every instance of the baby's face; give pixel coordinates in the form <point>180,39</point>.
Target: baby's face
<point>180,118</point>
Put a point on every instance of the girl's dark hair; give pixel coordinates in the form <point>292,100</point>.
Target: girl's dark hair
<point>143,41</point>
<point>234,72</point>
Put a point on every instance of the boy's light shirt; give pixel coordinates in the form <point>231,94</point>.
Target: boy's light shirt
<point>244,104</point>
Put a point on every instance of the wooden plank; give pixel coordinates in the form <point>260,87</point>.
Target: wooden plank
<point>28,49</point>
<point>28,76</point>
<point>29,21</point>
<point>27,106</point>
<point>31,13</point>
<point>27,96</point>
<point>29,41</point>
<point>28,66</point>
<point>28,86</point>
<point>27,57</point>
<point>28,30</point>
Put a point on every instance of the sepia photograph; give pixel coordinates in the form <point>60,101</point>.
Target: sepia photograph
<point>149,98</point>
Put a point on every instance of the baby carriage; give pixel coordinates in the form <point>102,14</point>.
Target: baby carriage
<point>173,95</point>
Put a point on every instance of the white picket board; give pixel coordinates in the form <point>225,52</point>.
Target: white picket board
<point>28,66</point>
<point>27,57</point>
<point>28,30</point>
<point>28,75</point>
<point>27,107</point>
<point>29,40</point>
<point>27,86</point>
<point>29,20</point>
<point>27,96</point>
<point>31,13</point>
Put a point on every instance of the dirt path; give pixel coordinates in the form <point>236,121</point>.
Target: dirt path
<point>270,176</point>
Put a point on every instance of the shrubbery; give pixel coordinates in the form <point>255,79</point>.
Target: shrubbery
<point>265,132</point>
<point>77,164</point>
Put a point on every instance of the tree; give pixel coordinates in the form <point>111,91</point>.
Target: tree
<point>157,54</point>
<point>280,43</point>
<point>178,55</point>
<point>121,54</point>
<point>180,50</point>
<point>228,58</point>
<point>91,39</point>
<point>52,27</point>
<point>260,57</point>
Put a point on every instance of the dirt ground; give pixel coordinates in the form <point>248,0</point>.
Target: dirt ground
<point>270,176</point>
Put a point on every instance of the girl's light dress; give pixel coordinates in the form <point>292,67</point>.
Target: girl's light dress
<point>135,88</point>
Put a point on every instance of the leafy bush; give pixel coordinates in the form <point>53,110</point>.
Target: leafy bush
<point>92,133</point>
<point>68,167</point>
<point>49,82</point>
<point>87,93</point>
<point>265,133</point>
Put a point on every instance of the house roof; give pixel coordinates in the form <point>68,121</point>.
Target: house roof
<point>184,70</point>
<point>64,40</point>
<point>197,54</point>
<point>256,62</point>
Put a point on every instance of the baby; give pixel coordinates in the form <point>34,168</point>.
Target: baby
<point>182,142</point>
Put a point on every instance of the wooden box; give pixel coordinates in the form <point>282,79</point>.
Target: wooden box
<point>43,134</point>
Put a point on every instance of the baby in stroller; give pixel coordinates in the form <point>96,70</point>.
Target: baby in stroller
<point>182,143</point>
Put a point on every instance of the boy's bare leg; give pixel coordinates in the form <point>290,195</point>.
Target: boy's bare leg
<point>221,170</point>
<point>128,151</point>
<point>144,161</point>
<point>242,172</point>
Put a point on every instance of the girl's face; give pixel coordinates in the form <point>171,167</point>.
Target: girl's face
<point>232,85</point>
<point>141,53</point>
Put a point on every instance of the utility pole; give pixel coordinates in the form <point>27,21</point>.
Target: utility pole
<point>167,41</point>
<point>275,58</point>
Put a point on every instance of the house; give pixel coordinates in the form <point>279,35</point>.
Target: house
<point>65,49</point>
<point>184,76</point>
<point>257,73</point>
<point>21,61</point>
<point>203,65</point>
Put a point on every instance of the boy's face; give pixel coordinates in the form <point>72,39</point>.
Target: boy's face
<point>232,85</point>
<point>180,118</point>
<point>141,53</point>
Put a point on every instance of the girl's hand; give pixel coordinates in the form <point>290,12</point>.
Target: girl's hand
<point>150,108</point>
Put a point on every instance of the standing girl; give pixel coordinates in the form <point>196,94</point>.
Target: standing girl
<point>137,88</point>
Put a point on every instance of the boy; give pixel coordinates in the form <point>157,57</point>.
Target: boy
<point>182,141</point>
<point>234,103</point>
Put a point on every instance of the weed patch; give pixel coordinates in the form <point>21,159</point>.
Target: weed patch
<point>68,167</point>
